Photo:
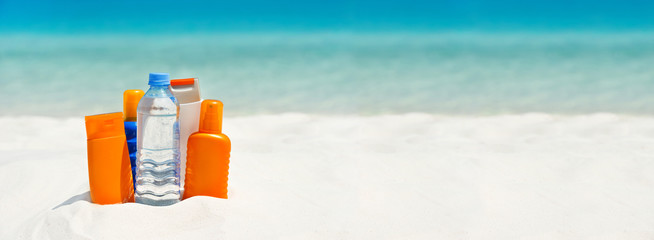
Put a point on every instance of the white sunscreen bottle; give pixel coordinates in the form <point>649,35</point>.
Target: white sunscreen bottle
<point>187,92</point>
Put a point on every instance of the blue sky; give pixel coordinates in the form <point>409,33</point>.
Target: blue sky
<point>291,15</point>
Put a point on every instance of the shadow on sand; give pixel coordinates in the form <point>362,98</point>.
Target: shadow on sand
<point>86,196</point>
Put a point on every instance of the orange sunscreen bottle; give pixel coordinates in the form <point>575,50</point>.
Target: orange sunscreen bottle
<point>207,159</point>
<point>110,174</point>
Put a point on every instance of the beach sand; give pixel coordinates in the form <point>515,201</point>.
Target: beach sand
<point>409,176</point>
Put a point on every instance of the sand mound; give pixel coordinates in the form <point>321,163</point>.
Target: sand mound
<point>413,176</point>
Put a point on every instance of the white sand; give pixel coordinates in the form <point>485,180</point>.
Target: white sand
<point>414,176</point>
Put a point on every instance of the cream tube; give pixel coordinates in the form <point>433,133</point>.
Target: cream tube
<point>187,93</point>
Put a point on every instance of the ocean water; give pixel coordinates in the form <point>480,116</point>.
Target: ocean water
<point>467,73</point>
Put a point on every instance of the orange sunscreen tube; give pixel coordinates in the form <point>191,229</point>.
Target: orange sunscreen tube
<point>110,175</point>
<point>207,159</point>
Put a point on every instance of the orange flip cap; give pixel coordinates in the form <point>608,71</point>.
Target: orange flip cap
<point>184,81</point>
<point>131,100</point>
<point>104,125</point>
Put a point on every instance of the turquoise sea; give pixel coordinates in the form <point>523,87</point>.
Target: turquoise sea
<point>472,57</point>
<point>338,73</point>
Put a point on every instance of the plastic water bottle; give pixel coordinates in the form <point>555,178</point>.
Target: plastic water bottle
<point>157,177</point>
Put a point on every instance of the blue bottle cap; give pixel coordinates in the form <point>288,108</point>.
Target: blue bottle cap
<point>159,79</point>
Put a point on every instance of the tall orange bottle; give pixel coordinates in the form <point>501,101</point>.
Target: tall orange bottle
<point>131,100</point>
<point>110,174</point>
<point>207,159</point>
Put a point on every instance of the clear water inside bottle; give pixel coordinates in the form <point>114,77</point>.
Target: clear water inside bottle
<point>158,164</point>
